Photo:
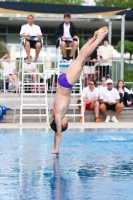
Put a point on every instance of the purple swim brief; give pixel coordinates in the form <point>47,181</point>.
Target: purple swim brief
<point>62,80</point>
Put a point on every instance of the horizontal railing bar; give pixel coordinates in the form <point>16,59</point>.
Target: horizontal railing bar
<point>33,104</point>
<point>35,115</point>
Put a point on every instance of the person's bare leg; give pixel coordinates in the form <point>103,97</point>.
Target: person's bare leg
<point>98,75</point>
<point>38,48</point>
<point>84,106</point>
<point>84,109</point>
<point>119,108</point>
<point>85,80</point>
<point>27,49</point>
<point>74,46</point>
<point>11,79</point>
<point>57,140</point>
<point>103,109</point>
<point>15,79</point>
<point>96,108</point>
<point>63,48</point>
<point>74,70</point>
<point>33,76</point>
<point>89,78</point>
<point>93,77</point>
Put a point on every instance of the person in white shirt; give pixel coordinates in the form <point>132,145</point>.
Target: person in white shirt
<point>103,85</point>
<point>32,34</point>
<point>9,69</point>
<point>124,94</point>
<point>105,54</point>
<point>90,99</point>
<point>69,35</point>
<point>110,100</point>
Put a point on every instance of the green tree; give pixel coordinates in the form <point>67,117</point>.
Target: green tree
<point>128,47</point>
<point>116,3</point>
<point>81,43</point>
<point>3,49</point>
<point>71,2</point>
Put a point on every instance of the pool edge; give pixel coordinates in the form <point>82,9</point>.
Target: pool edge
<point>71,125</point>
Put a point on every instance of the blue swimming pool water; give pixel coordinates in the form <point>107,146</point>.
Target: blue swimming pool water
<point>94,164</point>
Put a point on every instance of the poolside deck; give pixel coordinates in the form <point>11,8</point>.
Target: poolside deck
<point>91,125</point>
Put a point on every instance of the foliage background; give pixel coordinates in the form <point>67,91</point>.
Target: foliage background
<point>116,3</point>
<point>71,2</point>
<point>3,49</point>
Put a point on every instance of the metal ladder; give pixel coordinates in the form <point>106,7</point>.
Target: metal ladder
<point>61,68</point>
<point>40,90</point>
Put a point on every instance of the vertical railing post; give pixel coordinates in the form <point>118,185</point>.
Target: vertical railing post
<point>122,45</point>
<point>110,31</point>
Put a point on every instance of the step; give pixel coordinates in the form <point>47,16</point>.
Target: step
<point>10,100</point>
<point>125,116</point>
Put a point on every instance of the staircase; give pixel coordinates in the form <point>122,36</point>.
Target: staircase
<point>8,100</point>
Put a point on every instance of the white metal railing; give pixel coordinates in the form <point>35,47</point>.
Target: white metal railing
<point>114,71</point>
<point>5,85</point>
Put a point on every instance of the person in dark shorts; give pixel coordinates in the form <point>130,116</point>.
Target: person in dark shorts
<point>31,35</point>
<point>110,100</point>
<point>68,33</point>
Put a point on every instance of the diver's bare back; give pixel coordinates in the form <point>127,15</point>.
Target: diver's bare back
<point>61,101</point>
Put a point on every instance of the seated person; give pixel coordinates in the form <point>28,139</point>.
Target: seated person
<point>30,68</point>
<point>32,33</point>
<point>69,35</point>
<point>9,70</point>
<point>103,84</point>
<point>90,99</point>
<point>110,100</point>
<point>124,94</point>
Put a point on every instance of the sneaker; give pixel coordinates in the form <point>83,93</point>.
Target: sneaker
<point>131,105</point>
<point>70,61</point>
<point>65,61</point>
<point>114,119</point>
<point>107,119</point>
<point>97,119</point>
<point>80,120</point>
